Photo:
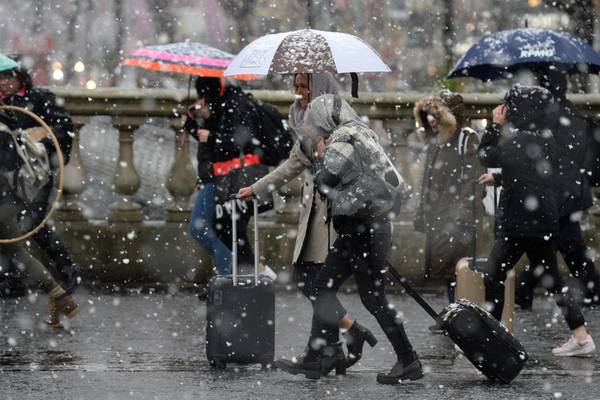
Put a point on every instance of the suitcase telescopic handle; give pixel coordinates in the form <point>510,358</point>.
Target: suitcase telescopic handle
<point>409,289</point>
<point>256,241</point>
<point>234,241</point>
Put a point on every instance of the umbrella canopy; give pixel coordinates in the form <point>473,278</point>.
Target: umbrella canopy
<point>500,54</point>
<point>7,63</point>
<point>183,57</point>
<point>306,51</point>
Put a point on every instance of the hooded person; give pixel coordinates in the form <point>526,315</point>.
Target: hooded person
<point>446,202</point>
<point>35,274</point>
<point>17,89</point>
<point>521,142</point>
<point>314,235</point>
<point>355,178</point>
<point>574,194</point>
<point>225,123</point>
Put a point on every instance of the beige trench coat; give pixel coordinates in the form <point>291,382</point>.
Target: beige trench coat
<point>312,240</point>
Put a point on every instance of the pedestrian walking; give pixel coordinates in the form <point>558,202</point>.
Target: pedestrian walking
<point>353,177</point>
<point>36,275</point>
<point>521,142</point>
<point>315,235</point>
<point>445,208</point>
<point>17,89</point>
<point>574,196</point>
<point>225,124</point>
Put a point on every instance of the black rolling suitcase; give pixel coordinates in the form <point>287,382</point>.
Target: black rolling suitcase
<point>485,342</point>
<point>240,326</point>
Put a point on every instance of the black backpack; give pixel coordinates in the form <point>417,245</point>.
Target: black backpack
<point>275,139</point>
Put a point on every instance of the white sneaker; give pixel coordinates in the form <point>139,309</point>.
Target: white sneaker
<point>575,348</point>
<point>269,273</point>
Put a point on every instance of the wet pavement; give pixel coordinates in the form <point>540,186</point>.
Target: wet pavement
<point>151,346</point>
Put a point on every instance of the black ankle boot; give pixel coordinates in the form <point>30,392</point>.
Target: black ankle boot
<point>316,364</point>
<point>355,339</point>
<point>401,372</point>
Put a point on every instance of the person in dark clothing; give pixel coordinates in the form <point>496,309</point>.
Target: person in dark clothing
<point>574,196</point>
<point>224,122</point>
<point>16,89</point>
<point>354,177</point>
<point>527,217</point>
<point>446,200</point>
<point>35,274</point>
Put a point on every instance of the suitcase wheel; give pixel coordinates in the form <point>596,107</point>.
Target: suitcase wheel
<point>270,366</point>
<point>218,364</point>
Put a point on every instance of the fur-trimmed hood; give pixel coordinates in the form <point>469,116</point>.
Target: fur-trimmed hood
<point>446,107</point>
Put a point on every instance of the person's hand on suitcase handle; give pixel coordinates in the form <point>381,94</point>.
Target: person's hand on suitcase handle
<point>245,193</point>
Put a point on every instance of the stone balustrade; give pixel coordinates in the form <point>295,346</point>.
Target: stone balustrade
<point>124,245</point>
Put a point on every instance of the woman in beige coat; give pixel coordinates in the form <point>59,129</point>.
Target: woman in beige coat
<point>314,232</point>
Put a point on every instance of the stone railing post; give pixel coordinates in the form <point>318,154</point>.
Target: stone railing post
<point>126,180</point>
<point>181,181</point>
<point>70,209</point>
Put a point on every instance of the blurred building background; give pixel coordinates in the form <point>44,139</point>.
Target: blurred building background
<point>81,42</point>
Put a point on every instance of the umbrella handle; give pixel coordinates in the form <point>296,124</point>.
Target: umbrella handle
<point>354,91</point>
<point>61,173</point>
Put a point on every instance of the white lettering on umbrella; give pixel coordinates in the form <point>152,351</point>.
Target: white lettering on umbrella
<point>254,58</point>
<point>545,49</point>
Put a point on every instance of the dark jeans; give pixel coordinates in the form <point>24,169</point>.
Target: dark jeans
<point>201,227</point>
<point>361,250</point>
<point>574,251</point>
<point>506,252</point>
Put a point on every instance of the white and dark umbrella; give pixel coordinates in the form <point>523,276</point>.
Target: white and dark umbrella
<point>307,51</point>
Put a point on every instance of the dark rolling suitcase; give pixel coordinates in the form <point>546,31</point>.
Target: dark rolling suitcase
<point>489,346</point>
<point>240,313</point>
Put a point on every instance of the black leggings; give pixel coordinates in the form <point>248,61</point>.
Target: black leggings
<point>506,252</point>
<point>361,250</point>
<point>305,275</point>
<point>574,251</point>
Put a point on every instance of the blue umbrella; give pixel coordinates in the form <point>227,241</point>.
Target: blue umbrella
<point>500,54</point>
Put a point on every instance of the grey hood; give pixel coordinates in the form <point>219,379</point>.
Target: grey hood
<point>319,122</point>
<point>318,84</point>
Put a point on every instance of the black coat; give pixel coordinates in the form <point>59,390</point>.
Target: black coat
<point>43,103</point>
<point>528,202</point>
<point>574,192</point>
<point>233,125</point>
<point>9,159</point>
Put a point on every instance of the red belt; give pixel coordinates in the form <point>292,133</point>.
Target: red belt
<point>223,167</point>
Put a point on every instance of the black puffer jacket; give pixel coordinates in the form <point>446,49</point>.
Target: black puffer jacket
<point>526,151</point>
<point>232,127</point>
<point>9,160</point>
<point>574,192</point>
<point>43,103</point>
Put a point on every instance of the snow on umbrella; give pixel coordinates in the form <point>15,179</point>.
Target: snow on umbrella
<point>183,57</point>
<point>500,54</point>
<point>307,51</point>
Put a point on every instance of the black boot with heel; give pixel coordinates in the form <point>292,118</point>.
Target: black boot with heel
<point>355,339</point>
<point>316,364</point>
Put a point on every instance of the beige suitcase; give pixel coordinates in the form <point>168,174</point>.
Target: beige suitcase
<point>469,285</point>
